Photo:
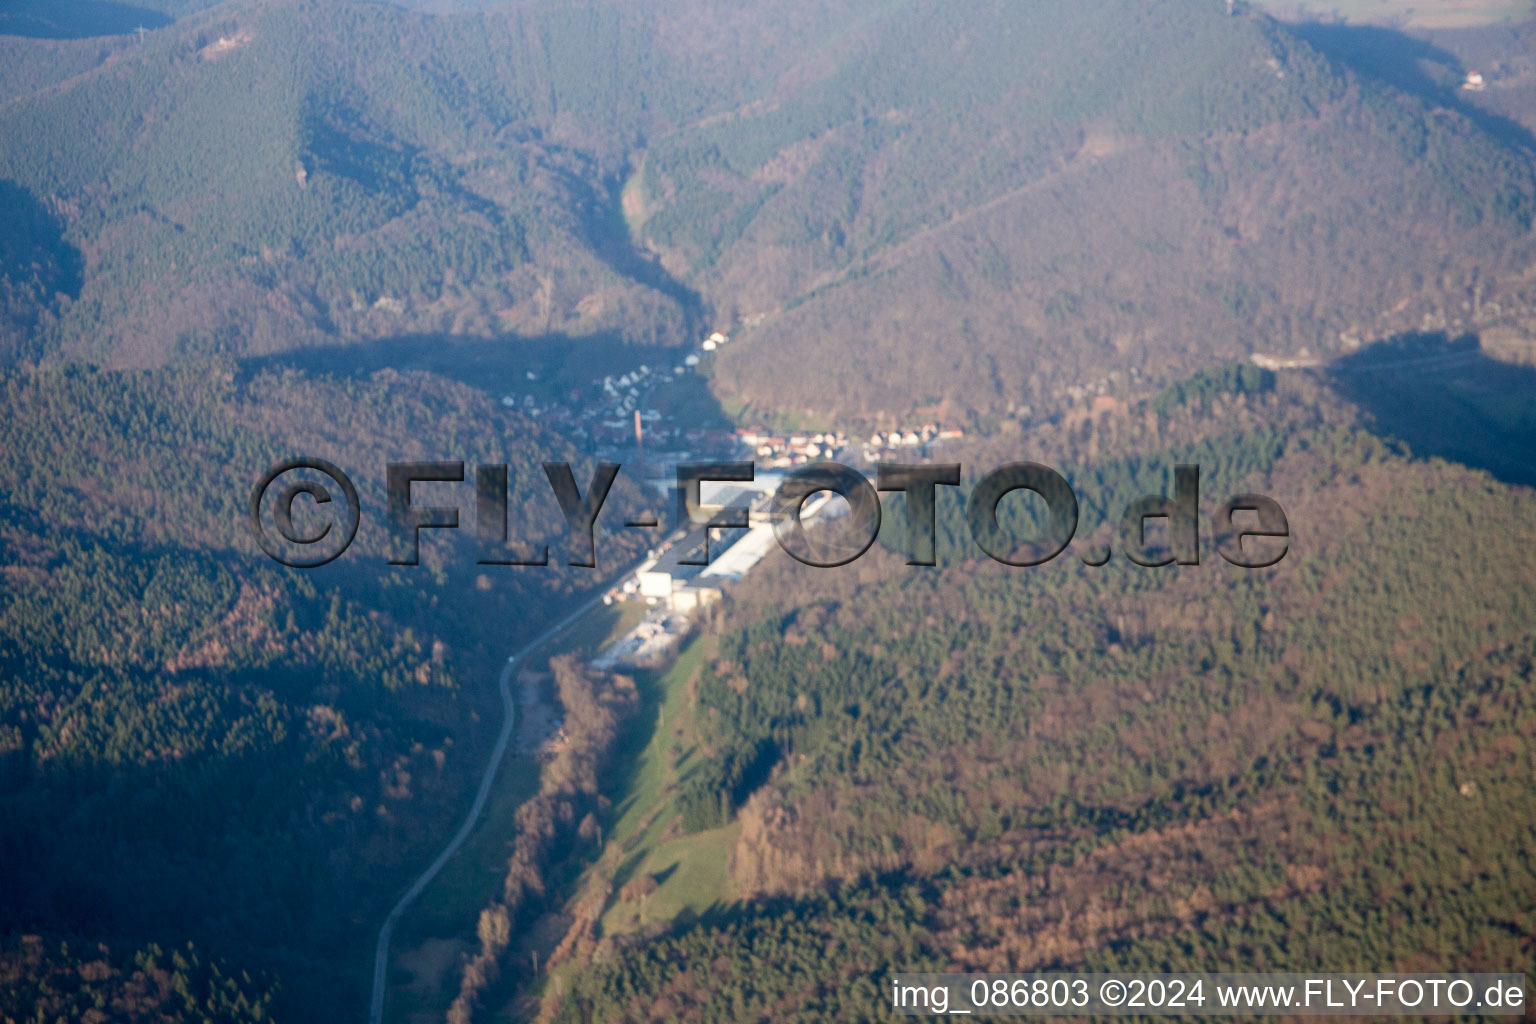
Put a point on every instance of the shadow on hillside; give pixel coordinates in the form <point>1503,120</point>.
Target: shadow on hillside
<point>75,19</point>
<point>1412,65</point>
<point>37,265</point>
<point>495,365</point>
<point>567,376</point>
<point>1446,398</point>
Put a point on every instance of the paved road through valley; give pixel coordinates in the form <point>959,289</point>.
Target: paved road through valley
<point>503,741</point>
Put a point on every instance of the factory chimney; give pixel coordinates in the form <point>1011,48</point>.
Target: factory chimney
<point>639,449</point>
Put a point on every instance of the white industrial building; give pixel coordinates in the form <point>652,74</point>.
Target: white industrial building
<point>667,581</point>
<point>733,551</point>
<point>749,549</point>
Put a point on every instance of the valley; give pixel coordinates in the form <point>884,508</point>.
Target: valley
<point>1112,238</point>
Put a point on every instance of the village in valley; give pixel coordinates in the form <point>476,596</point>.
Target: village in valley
<point>646,417</point>
<point>653,418</point>
<point>649,419</point>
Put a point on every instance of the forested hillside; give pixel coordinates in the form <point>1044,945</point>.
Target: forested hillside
<point>40,981</point>
<point>268,175</point>
<point>198,744</point>
<point>1322,765</point>
<point>981,213</point>
<point>909,209</point>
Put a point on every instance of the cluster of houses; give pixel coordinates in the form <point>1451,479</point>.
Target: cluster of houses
<point>615,408</point>
<point>886,445</point>
<point>778,451</point>
<point>619,408</point>
<point>624,413</point>
<point>781,451</point>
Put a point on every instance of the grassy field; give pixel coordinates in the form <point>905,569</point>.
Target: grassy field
<point>1416,13</point>
<point>632,202</point>
<point>689,869</point>
<point>642,832</point>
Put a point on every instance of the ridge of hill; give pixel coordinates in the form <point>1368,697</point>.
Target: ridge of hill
<point>263,176</point>
<point>973,215</point>
<point>900,209</point>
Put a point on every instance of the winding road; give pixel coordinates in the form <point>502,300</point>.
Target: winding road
<point>503,741</point>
